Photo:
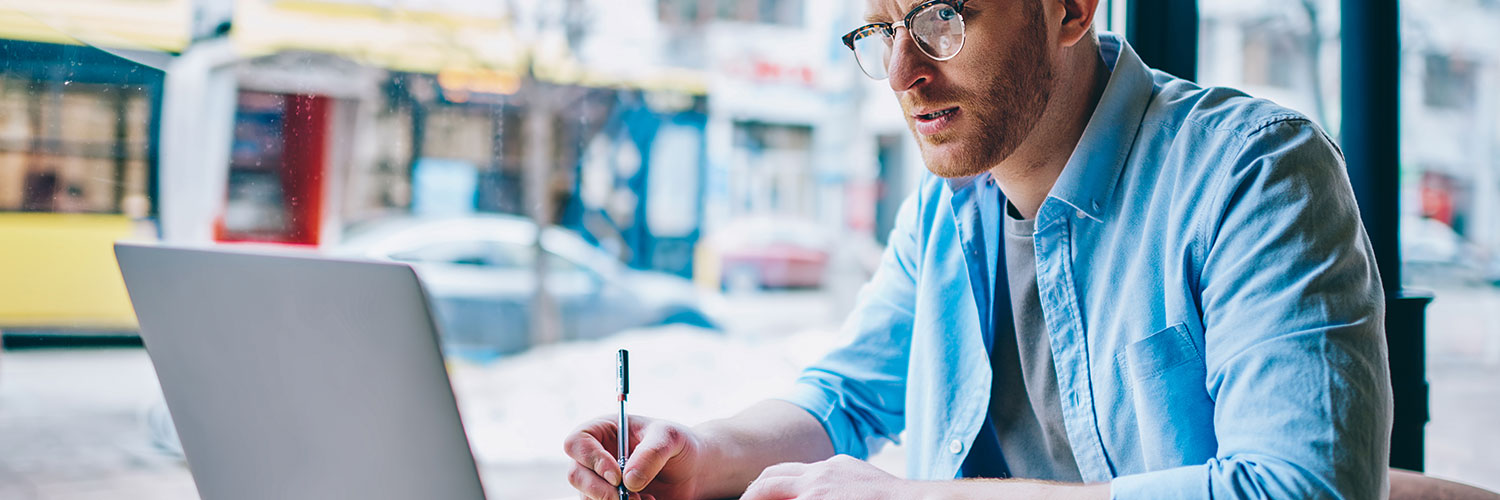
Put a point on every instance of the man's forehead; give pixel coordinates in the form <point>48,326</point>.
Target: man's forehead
<point>887,11</point>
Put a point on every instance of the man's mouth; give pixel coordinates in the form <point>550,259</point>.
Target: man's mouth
<point>937,114</point>
<point>933,122</point>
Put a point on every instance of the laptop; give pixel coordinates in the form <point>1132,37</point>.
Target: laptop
<point>300,377</point>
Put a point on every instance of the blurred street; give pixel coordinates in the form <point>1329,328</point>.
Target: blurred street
<point>707,183</point>
<point>73,421</point>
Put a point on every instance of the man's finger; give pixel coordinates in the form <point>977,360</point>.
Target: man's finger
<point>601,429</point>
<point>788,469</point>
<point>590,484</point>
<point>586,449</point>
<point>772,488</point>
<point>660,444</point>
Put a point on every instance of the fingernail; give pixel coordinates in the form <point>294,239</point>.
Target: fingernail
<point>634,480</point>
<point>612,476</point>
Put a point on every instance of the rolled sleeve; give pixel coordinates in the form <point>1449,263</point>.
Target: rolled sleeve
<point>858,390</point>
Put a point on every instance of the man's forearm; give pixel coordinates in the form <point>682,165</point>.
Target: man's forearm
<point>775,431</point>
<point>767,433</point>
<point>984,489</point>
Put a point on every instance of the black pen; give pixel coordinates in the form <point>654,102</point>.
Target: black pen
<point>622,370</point>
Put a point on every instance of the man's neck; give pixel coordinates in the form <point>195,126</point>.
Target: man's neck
<point>1027,176</point>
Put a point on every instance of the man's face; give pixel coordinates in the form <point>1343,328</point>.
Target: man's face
<point>971,112</point>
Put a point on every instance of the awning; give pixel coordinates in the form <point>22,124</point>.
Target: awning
<point>476,47</point>
<point>406,39</point>
<point>148,25</point>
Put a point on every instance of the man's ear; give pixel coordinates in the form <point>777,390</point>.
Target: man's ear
<point>1078,19</point>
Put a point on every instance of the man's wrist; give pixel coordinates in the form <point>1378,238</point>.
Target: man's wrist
<point>719,460</point>
<point>975,489</point>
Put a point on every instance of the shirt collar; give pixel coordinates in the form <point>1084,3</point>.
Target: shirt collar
<point>1088,180</point>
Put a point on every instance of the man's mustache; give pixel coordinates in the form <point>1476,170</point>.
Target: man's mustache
<point>930,101</point>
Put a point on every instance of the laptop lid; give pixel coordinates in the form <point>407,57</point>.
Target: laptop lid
<point>299,377</point>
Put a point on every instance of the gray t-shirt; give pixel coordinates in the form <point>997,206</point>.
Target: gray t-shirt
<point>1024,405</point>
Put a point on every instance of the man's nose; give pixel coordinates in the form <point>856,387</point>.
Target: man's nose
<point>909,68</point>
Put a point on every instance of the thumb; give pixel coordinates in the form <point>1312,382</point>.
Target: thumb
<point>660,444</point>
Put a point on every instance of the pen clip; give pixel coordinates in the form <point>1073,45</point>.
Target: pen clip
<point>622,372</point>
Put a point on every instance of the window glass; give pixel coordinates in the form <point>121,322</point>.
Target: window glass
<point>1450,232</point>
<point>73,141</point>
<point>1287,51</point>
<point>722,168</point>
<point>654,136</point>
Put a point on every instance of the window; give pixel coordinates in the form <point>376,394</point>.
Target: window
<point>1449,81</point>
<point>637,130</point>
<point>710,163</point>
<point>777,12</point>
<point>74,141</point>
<point>1289,51</point>
<point>1274,55</point>
<point>675,12</point>
<point>1285,50</point>
<point>781,12</point>
<point>1450,230</point>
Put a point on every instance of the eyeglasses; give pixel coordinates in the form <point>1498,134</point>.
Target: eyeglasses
<point>936,25</point>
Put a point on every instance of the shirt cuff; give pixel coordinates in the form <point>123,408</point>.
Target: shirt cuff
<point>823,405</point>
<point>1182,482</point>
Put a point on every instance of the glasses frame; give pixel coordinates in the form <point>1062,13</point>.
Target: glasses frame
<point>889,29</point>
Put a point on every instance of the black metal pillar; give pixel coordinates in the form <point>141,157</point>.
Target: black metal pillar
<point>1371,80</point>
<point>1165,34</point>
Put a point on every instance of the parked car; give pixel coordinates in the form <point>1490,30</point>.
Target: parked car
<point>480,275</point>
<point>770,252</point>
<point>1433,254</point>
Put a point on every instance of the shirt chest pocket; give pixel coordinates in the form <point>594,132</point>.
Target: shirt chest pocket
<point>1174,414</point>
<point>1160,353</point>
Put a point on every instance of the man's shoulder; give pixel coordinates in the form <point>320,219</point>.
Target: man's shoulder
<point>1197,112</point>
<point>1217,131</point>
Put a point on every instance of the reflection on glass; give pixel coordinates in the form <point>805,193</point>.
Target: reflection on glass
<point>651,138</point>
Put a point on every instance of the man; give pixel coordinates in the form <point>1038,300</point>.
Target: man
<point>1116,284</point>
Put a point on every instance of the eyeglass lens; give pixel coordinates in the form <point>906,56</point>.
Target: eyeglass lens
<point>938,30</point>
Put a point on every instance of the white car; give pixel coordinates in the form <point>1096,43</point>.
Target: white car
<point>479,271</point>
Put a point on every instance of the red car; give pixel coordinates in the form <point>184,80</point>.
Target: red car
<point>764,252</point>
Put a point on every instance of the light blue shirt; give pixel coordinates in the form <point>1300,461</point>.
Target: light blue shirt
<point>1214,310</point>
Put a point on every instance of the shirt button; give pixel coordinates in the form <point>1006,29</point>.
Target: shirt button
<point>956,446</point>
<point>1081,214</point>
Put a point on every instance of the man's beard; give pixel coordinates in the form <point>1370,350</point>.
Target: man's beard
<point>1006,109</point>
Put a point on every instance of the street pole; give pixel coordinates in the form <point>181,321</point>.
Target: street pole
<point>545,319</point>
<point>1165,34</point>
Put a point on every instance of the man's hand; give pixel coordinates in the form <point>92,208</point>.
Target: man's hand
<point>664,462</point>
<point>847,478</point>
<point>838,478</point>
